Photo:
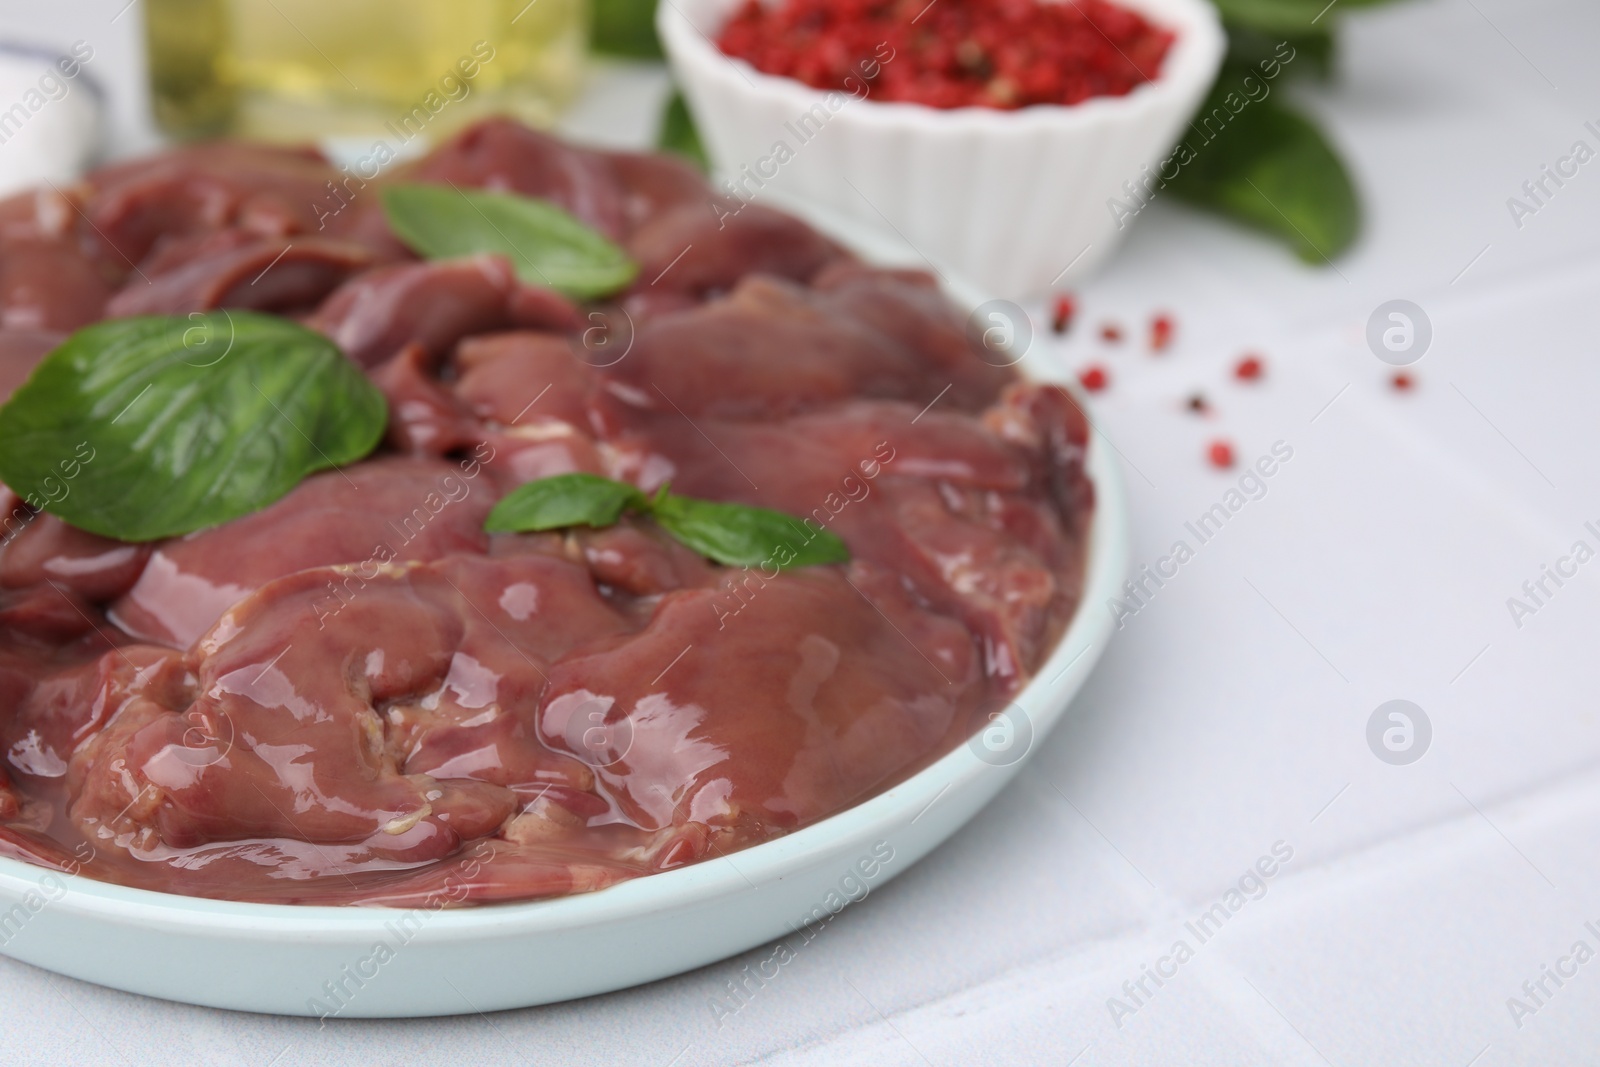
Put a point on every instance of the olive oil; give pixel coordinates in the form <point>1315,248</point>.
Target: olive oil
<point>293,70</point>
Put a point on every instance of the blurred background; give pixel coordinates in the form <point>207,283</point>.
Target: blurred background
<point>345,74</point>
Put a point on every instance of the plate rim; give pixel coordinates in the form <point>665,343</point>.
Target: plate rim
<point>1043,702</point>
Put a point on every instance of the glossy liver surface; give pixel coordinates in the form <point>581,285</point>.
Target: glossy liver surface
<point>356,695</point>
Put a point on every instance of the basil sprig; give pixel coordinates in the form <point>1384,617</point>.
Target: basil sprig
<point>1274,169</point>
<point>731,534</point>
<point>546,245</point>
<point>679,134</point>
<point>189,422</point>
<point>564,500</point>
<point>625,28</point>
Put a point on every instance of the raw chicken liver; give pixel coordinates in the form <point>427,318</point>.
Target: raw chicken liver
<point>356,695</point>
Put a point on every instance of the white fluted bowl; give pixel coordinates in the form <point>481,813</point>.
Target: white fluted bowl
<point>1011,202</point>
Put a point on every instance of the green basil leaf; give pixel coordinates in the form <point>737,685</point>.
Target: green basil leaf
<point>1272,169</point>
<point>731,534</point>
<point>625,28</point>
<point>563,500</point>
<point>546,245</point>
<point>157,426</point>
<point>1279,16</point>
<point>1286,16</point>
<point>741,536</point>
<point>679,135</point>
<point>1259,52</point>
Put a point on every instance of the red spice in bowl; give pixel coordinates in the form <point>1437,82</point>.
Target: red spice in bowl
<point>1003,54</point>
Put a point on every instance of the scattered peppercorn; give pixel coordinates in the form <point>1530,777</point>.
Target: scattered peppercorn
<point>954,53</point>
<point>1065,308</point>
<point>1160,333</point>
<point>1094,378</point>
<point>1221,454</point>
<point>1111,332</point>
<point>1249,369</point>
<point>1402,381</point>
<point>1198,404</point>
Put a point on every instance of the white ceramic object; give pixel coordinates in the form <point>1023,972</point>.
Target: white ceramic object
<point>1012,202</point>
<point>325,960</point>
<point>51,124</point>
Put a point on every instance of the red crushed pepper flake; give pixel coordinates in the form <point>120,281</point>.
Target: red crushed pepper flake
<point>1220,454</point>
<point>1198,404</point>
<point>1061,317</point>
<point>1160,333</point>
<point>1094,378</point>
<point>1111,332</point>
<point>954,53</point>
<point>1402,381</point>
<point>1249,369</point>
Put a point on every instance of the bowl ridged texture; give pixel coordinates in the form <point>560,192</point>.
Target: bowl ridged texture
<point>1003,200</point>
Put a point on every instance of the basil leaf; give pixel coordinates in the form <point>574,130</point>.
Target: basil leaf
<point>1287,16</point>
<point>1277,16</point>
<point>625,28</point>
<point>732,534</point>
<point>563,500</point>
<point>741,536</point>
<point>1253,51</point>
<point>679,135</point>
<point>187,422</point>
<point>1272,169</point>
<point>546,245</point>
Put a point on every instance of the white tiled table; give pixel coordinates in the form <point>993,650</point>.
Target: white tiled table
<point>1231,713</point>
